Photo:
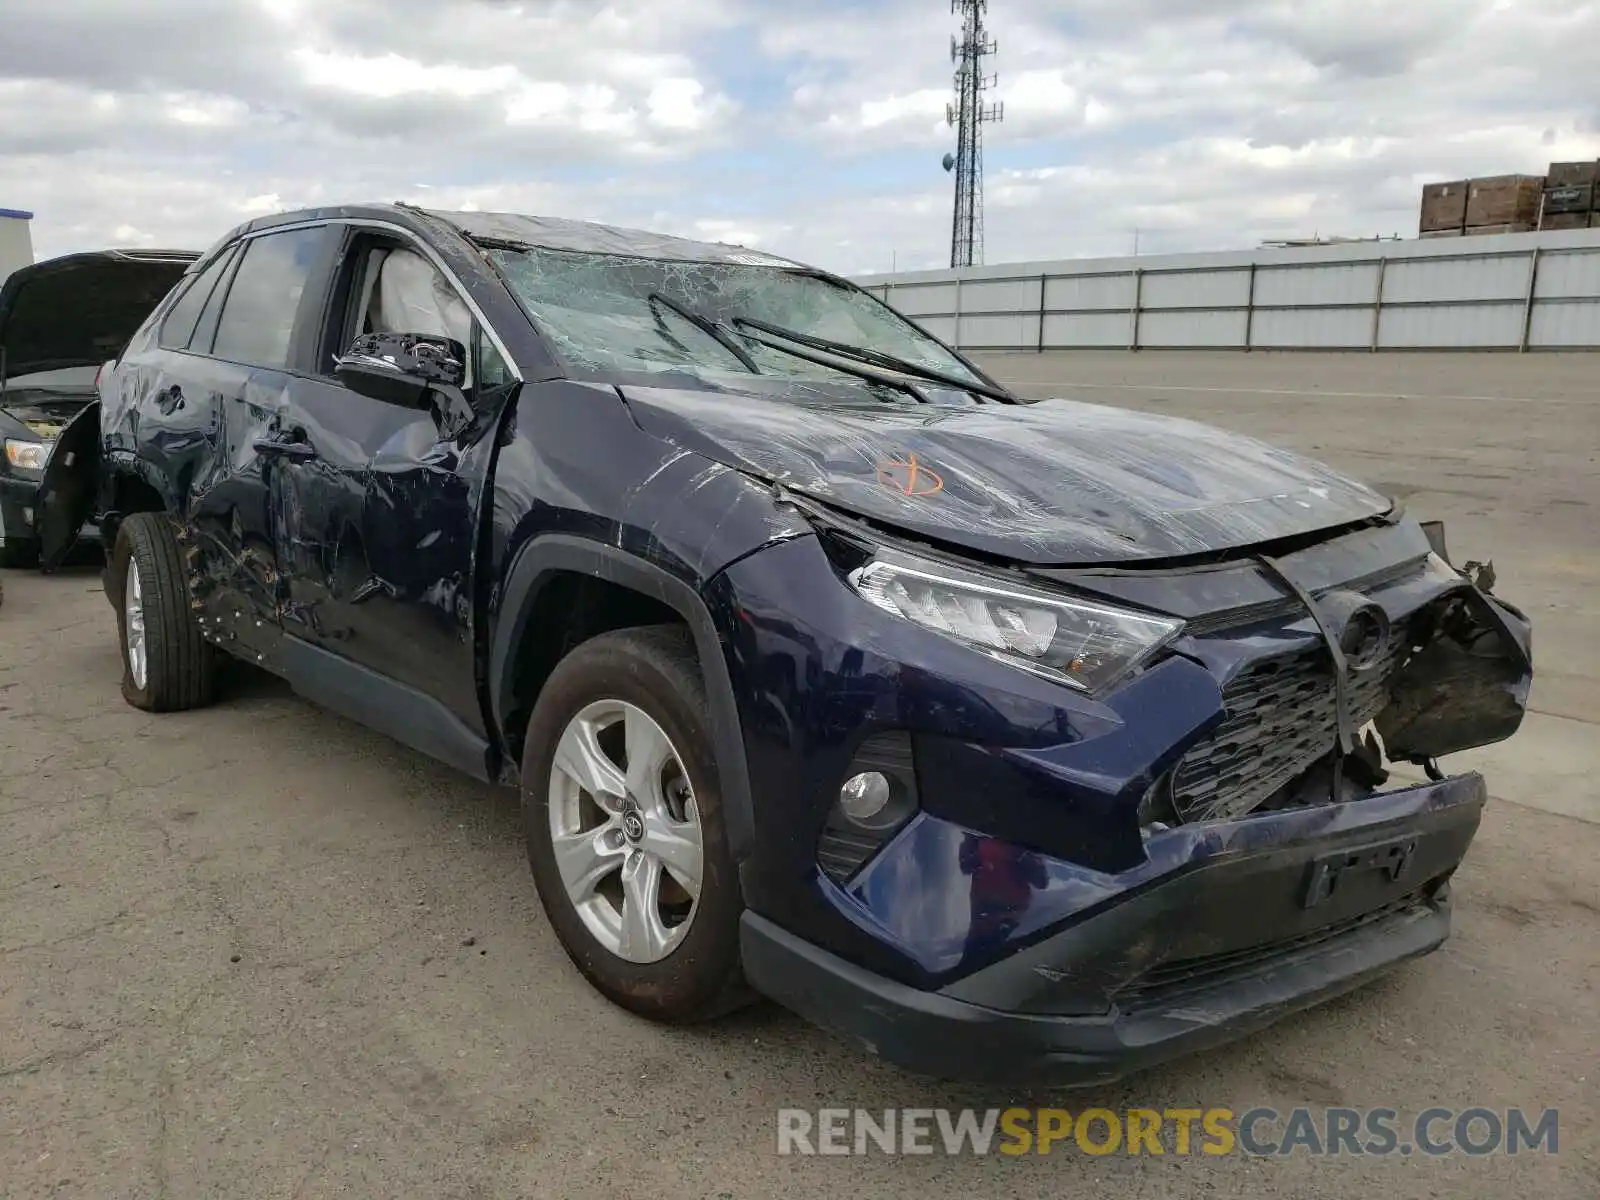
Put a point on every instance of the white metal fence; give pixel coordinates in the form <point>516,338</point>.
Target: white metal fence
<point>1521,291</point>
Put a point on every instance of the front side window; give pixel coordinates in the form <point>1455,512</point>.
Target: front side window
<point>401,291</point>
<point>608,312</point>
<point>258,318</point>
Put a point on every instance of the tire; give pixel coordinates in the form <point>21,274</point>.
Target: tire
<point>697,975</point>
<point>17,556</point>
<point>179,669</point>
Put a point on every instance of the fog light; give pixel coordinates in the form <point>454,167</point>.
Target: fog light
<point>875,801</point>
<point>864,796</point>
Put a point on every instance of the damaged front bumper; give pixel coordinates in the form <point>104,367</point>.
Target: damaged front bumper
<point>1081,885</point>
<point>1223,930</point>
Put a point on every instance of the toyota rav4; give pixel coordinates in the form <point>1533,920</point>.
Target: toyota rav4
<point>1011,739</point>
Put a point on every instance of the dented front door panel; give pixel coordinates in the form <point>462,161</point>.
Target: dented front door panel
<point>379,518</point>
<point>321,455</point>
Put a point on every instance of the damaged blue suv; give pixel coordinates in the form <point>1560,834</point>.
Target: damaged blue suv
<point>1010,739</point>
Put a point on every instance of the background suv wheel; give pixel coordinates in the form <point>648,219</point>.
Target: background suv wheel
<point>624,826</point>
<point>167,665</point>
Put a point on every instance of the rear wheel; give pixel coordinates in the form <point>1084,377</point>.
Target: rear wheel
<point>624,827</point>
<point>167,666</point>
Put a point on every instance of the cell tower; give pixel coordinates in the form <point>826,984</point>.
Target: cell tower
<point>968,114</point>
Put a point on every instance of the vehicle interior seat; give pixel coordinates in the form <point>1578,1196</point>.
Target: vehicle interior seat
<point>402,292</point>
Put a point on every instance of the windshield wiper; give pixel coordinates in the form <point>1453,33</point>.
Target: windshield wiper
<point>856,362</point>
<point>710,328</point>
<point>878,358</point>
<point>859,370</point>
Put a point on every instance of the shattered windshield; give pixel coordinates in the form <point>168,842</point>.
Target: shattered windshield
<point>609,312</point>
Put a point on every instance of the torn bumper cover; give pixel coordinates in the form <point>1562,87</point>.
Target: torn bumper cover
<point>1226,929</point>
<point>1467,686</point>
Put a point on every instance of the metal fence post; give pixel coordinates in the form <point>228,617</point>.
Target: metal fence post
<point>1138,301</point>
<point>1377,305</point>
<point>956,340</point>
<point>1044,283</point>
<point>1527,303</point>
<point>1250,310</point>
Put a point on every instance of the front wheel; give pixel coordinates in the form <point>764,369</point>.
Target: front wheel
<point>167,665</point>
<point>624,827</point>
<point>16,556</point>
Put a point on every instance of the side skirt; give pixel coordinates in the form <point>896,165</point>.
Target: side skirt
<point>403,713</point>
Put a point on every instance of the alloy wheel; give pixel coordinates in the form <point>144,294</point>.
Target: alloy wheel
<point>133,625</point>
<point>625,830</point>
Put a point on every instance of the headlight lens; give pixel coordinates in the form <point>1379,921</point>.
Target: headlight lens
<point>1079,642</point>
<point>27,456</point>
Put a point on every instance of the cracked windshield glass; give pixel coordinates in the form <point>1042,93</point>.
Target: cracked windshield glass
<point>608,312</point>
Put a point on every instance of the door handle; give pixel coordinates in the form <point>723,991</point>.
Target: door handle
<point>169,400</point>
<point>295,448</point>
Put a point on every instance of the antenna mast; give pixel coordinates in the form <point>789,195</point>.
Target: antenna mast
<point>968,114</point>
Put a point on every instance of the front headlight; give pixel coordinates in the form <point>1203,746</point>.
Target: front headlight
<point>27,456</point>
<point>1080,642</point>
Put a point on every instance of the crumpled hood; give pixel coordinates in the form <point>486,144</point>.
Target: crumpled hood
<point>1054,483</point>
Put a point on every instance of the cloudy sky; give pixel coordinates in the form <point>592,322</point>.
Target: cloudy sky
<point>812,128</point>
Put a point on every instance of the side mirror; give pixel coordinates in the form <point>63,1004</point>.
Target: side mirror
<point>402,368</point>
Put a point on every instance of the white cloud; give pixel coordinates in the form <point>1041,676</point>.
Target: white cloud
<point>209,111</point>
<point>683,104</point>
<point>814,130</point>
<point>388,75</point>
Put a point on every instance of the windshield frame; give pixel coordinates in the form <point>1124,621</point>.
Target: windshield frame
<point>848,390</point>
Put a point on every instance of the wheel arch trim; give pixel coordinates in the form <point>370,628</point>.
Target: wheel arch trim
<point>546,556</point>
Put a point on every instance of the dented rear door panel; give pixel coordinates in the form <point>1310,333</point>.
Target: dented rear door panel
<point>186,425</point>
<point>231,509</point>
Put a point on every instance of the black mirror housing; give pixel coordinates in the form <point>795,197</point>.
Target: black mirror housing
<point>402,368</point>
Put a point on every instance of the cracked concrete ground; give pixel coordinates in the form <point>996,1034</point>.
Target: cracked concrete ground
<point>257,951</point>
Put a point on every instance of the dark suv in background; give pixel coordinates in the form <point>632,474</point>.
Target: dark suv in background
<point>60,319</point>
<point>1009,738</point>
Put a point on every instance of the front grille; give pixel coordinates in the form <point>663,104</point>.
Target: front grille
<point>1182,978</point>
<point>1282,717</point>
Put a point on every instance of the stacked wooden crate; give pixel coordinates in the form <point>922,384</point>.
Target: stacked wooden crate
<point>1444,209</point>
<point>1503,204</point>
<point>1493,204</point>
<point>1570,193</point>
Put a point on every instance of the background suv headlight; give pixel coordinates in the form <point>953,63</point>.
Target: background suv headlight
<point>26,455</point>
<point>1084,643</point>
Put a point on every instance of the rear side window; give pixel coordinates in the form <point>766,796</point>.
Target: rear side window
<point>205,331</point>
<point>258,317</point>
<point>178,325</point>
